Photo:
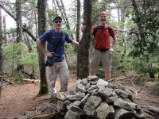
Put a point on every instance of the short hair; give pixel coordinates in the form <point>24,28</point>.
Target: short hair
<point>102,13</point>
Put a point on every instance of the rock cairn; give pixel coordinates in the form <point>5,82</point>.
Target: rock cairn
<point>95,98</point>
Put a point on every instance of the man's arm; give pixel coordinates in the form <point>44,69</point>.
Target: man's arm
<point>113,44</point>
<point>42,48</point>
<point>75,43</point>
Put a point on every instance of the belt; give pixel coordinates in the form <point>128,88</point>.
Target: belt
<point>102,50</point>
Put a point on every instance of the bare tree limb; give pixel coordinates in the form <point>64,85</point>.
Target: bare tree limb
<point>7,11</point>
<point>10,14</point>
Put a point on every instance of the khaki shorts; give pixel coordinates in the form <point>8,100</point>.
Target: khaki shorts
<point>104,57</point>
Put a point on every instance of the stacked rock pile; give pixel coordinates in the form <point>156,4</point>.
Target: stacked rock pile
<point>95,98</point>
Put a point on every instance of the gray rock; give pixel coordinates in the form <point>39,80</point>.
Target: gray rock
<point>77,110</point>
<point>90,106</point>
<point>74,97</point>
<point>84,81</point>
<point>92,78</point>
<point>92,87</point>
<point>88,86</point>
<point>153,109</point>
<point>104,92</point>
<point>78,81</point>
<point>93,82</point>
<point>46,108</point>
<point>60,105</point>
<point>102,111</point>
<point>84,100</point>
<point>123,94</point>
<point>72,115</point>
<point>125,105</point>
<point>76,103</point>
<point>123,114</point>
<point>102,83</point>
<point>80,87</point>
<point>111,114</point>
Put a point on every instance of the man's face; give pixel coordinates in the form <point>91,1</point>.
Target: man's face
<point>57,23</point>
<point>103,17</point>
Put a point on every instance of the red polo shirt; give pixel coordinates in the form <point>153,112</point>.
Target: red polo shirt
<point>102,37</point>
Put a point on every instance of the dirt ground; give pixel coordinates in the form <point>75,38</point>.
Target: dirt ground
<point>16,99</point>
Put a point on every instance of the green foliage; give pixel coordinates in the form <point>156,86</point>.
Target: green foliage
<point>12,54</point>
<point>145,38</point>
<point>29,59</point>
<point>17,54</point>
<point>147,20</point>
<point>142,66</point>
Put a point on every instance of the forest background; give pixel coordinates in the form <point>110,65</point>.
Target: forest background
<point>136,23</point>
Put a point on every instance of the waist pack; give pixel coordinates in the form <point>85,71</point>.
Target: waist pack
<point>51,60</point>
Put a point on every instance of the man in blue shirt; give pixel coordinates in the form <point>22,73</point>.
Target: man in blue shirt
<point>56,63</point>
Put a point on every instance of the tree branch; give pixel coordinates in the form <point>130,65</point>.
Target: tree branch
<point>24,29</point>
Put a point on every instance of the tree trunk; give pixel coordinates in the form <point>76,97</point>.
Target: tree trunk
<point>1,54</point>
<point>27,41</point>
<point>19,28</point>
<point>55,6</point>
<point>62,10</point>
<point>19,21</point>
<point>4,29</point>
<point>83,52</point>
<point>78,20</point>
<point>141,30</point>
<point>123,12</point>
<point>41,29</point>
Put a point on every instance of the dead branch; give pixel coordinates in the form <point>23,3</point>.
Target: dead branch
<point>152,114</point>
<point>8,81</point>
<point>31,76</point>
<point>132,83</point>
<point>122,78</point>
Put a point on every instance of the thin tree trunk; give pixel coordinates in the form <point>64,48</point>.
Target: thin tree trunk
<point>41,29</point>
<point>55,6</point>
<point>83,52</point>
<point>141,31</point>
<point>19,29</point>
<point>4,29</point>
<point>78,20</point>
<point>18,21</point>
<point>1,54</point>
<point>30,49</point>
<point>123,11</point>
<point>62,10</point>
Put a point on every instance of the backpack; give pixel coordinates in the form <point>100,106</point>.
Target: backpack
<point>97,27</point>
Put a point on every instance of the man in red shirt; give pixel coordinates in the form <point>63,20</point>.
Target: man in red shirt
<point>103,49</point>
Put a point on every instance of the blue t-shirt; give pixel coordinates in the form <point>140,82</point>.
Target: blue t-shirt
<point>55,43</point>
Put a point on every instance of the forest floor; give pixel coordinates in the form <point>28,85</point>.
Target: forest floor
<point>15,100</point>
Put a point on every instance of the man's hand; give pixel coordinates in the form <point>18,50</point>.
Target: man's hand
<point>111,50</point>
<point>49,54</point>
<point>75,43</point>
